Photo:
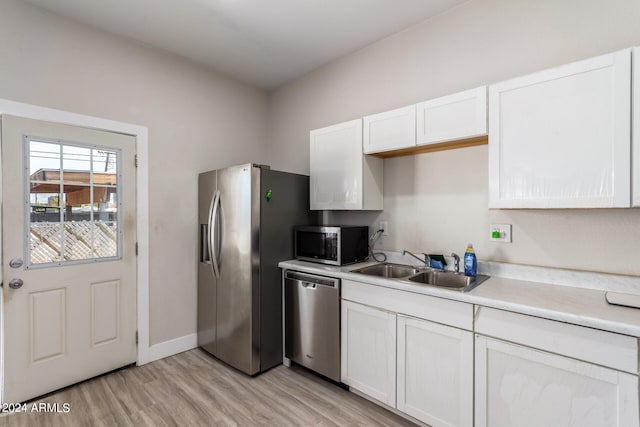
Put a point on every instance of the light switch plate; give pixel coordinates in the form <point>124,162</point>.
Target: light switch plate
<point>500,233</point>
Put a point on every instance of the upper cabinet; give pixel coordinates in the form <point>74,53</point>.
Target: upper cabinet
<point>343,174</point>
<point>445,121</point>
<point>390,130</point>
<point>561,138</point>
<point>341,177</point>
<point>459,116</point>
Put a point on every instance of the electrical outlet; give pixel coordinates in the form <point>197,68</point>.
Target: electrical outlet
<point>384,225</point>
<point>500,233</point>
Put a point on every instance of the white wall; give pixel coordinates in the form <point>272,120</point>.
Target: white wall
<point>438,202</point>
<point>198,120</point>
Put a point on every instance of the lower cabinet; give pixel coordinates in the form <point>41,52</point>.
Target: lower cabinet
<point>429,364</point>
<point>519,386</point>
<point>435,372</point>
<point>419,355</point>
<point>368,358</point>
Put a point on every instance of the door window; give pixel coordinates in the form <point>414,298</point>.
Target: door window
<point>72,203</point>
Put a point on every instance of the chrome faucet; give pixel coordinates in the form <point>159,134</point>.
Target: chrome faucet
<point>457,261</point>
<point>426,260</point>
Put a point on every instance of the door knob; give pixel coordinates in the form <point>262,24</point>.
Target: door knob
<point>16,283</point>
<point>15,263</point>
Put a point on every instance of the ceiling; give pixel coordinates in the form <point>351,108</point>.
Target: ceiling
<point>261,42</point>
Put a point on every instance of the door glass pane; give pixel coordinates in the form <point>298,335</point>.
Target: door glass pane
<point>45,243</point>
<point>44,156</point>
<point>76,165</point>
<point>77,222</point>
<point>105,167</point>
<point>73,202</point>
<point>106,239</point>
<point>106,222</point>
<point>77,241</point>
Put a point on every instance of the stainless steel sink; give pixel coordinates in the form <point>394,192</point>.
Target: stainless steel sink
<point>393,271</point>
<point>430,277</point>
<point>448,279</point>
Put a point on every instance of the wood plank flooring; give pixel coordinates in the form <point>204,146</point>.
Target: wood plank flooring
<point>194,389</point>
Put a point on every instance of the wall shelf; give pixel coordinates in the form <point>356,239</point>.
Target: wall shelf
<point>449,145</point>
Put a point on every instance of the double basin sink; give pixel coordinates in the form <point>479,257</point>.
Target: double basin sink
<point>437,278</point>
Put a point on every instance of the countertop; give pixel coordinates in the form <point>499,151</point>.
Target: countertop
<point>584,307</point>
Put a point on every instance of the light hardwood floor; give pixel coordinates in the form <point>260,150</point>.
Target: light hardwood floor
<point>194,389</point>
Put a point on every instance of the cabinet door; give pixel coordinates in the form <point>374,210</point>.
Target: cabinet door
<point>335,160</point>
<point>458,116</point>
<point>435,372</point>
<point>368,355</point>
<point>560,138</point>
<point>390,130</point>
<point>518,386</point>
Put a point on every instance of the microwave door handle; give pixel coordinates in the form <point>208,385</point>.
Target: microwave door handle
<point>213,224</point>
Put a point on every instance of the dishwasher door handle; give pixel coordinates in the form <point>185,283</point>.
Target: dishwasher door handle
<point>309,285</point>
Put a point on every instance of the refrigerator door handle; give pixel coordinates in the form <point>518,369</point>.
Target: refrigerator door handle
<point>213,225</point>
<point>220,230</point>
<point>205,233</point>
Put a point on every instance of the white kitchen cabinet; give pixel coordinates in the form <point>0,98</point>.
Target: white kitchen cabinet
<point>368,356</point>
<point>453,117</point>
<point>603,348</point>
<point>518,369</point>
<point>391,130</point>
<point>461,115</point>
<point>519,386</point>
<point>435,372</point>
<point>341,177</point>
<point>560,138</point>
<point>536,371</point>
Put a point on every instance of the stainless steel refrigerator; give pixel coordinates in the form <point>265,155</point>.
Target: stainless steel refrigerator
<point>246,216</point>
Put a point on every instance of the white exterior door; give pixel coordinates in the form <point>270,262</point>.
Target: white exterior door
<point>635,125</point>
<point>68,255</point>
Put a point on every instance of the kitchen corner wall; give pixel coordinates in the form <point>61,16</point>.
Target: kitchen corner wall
<point>438,202</point>
<point>198,120</point>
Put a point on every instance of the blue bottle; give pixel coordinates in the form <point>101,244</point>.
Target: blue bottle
<point>470,262</point>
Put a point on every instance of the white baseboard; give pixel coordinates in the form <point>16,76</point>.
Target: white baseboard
<point>171,347</point>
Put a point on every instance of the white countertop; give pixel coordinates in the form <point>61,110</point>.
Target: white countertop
<point>584,307</point>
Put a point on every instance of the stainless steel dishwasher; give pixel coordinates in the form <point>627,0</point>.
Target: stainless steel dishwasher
<point>312,322</point>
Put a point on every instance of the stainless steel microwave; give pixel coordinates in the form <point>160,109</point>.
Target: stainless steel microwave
<point>334,245</point>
